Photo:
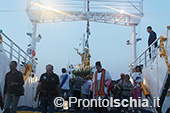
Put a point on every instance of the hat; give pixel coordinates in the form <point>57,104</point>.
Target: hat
<point>98,63</point>
<point>137,67</point>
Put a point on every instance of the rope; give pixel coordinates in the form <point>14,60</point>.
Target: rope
<point>163,52</point>
<point>1,40</point>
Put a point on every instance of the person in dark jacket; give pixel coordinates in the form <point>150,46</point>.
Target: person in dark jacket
<point>13,81</point>
<point>151,39</point>
<point>48,89</point>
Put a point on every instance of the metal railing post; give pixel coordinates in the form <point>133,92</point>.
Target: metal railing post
<point>145,59</point>
<point>25,58</point>
<point>152,53</point>
<point>19,52</point>
<point>139,60</point>
<point>11,50</point>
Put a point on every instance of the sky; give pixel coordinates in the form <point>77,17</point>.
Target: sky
<point>107,41</point>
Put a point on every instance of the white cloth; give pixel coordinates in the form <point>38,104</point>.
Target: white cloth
<point>66,85</point>
<point>107,76</point>
<point>86,87</point>
<point>4,66</point>
<point>138,77</point>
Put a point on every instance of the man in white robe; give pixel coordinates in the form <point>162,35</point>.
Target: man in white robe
<point>101,81</point>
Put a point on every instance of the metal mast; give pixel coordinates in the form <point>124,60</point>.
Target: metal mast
<point>119,12</point>
<point>133,42</point>
<point>88,25</point>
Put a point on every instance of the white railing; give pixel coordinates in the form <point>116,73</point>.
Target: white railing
<point>144,59</point>
<point>14,52</point>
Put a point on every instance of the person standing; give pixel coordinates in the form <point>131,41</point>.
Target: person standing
<point>126,88</point>
<point>49,89</point>
<point>121,77</point>
<point>101,81</point>
<point>65,80</point>
<point>151,39</point>
<point>77,88</point>
<point>137,78</point>
<point>86,88</point>
<point>13,87</point>
<point>118,92</point>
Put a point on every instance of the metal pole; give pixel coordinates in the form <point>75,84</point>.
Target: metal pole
<point>83,42</point>
<point>33,44</point>
<point>133,42</point>
<point>84,5</point>
<point>88,24</point>
<point>11,50</point>
<point>19,53</point>
<point>145,59</point>
<point>34,35</point>
<point>25,59</point>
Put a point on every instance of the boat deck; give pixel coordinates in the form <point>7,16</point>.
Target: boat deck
<point>31,110</point>
<point>143,111</point>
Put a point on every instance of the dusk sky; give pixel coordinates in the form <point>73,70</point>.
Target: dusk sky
<point>107,41</point>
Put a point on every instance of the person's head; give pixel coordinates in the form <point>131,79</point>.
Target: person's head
<point>77,73</point>
<point>13,65</point>
<point>126,77</point>
<point>87,77</point>
<point>49,69</point>
<point>138,69</point>
<point>64,70</point>
<point>98,66</point>
<point>122,76</point>
<point>149,29</point>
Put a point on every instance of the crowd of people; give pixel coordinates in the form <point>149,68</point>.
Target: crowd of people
<point>51,86</point>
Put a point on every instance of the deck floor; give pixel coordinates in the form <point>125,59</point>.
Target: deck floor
<point>38,111</point>
<point>24,109</point>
